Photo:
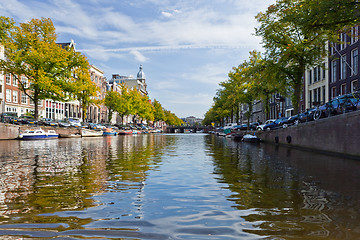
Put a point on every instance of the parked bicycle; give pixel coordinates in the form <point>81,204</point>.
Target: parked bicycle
<point>342,104</point>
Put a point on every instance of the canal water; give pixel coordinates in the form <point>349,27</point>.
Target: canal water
<point>180,186</point>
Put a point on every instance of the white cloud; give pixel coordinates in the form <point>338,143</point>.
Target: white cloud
<point>167,14</point>
<point>138,56</point>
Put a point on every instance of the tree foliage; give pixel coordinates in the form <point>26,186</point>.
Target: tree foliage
<point>31,51</point>
<point>288,43</point>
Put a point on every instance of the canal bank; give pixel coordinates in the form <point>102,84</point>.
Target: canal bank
<point>11,131</point>
<point>336,135</point>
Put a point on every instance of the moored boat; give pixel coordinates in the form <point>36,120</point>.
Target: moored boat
<point>71,135</point>
<point>31,134</point>
<point>251,138</point>
<point>125,132</point>
<point>90,133</point>
<point>109,132</point>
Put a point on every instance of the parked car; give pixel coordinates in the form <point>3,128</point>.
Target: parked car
<point>63,123</point>
<point>261,126</point>
<point>48,122</point>
<point>240,127</point>
<point>74,122</point>
<point>25,119</point>
<point>254,125</point>
<point>278,123</point>
<point>93,126</point>
<point>9,117</point>
<point>302,117</point>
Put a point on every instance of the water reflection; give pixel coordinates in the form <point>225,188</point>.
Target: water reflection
<point>180,186</point>
<point>292,193</point>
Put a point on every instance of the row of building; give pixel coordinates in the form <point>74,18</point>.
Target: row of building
<point>337,75</point>
<point>13,100</point>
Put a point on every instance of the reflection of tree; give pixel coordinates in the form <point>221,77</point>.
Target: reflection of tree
<point>279,201</point>
<point>64,176</point>
<point>135,156</point>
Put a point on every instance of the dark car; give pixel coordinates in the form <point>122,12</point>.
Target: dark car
<point>302,117</point>
<point>9,117</point>
<point>254,125</point>
<point>25,119</point>
<point>240,127</point>
<point>341,104</point>
<point>278,123</point>
<point>48,122</point>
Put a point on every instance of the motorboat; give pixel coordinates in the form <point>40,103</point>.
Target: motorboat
<point>91,133</point>
<point>109,132</point>
<point>250,138</point>
<point>30,134</point>
<point>125,132</point>
<point>71,135</point>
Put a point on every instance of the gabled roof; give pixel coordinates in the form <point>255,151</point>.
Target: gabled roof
<point>68,44</point>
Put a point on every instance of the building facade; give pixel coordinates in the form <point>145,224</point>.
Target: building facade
<point>344,64</point>
<point>97,113</point>
<point>130,82</point>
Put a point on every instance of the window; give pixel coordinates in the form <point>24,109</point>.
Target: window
<point>323,71</point>
<point>323,94</point>
<point>24,98</point>
<point>354,62</point>
<point>333,71</point>
<point>354,85</point>
<point>343,67</point>
<point>24,81</point>
<point>15,82</point>
<point>8,79</point>
<point>343,89</point>
<point>8,95</point>
<point>310,98</point>
<point>315,74</point>
<point>315,97</point>
<point>15,96</point>
<point>332,48</point>
<point>343,41</point>
<point>333,92</point>
<point>310,76</point>
<point>354,34</point>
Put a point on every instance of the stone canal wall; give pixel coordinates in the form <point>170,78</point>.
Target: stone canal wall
<point>11,131</point>
<point>338,134</point>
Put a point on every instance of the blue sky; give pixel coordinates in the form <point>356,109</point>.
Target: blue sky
<point>186,47</point>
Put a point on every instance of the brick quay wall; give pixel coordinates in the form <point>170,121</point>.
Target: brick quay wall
<point>338,135</point>
<point>11,131</point>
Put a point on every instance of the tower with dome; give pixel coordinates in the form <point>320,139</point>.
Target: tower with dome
<point>139,82</point>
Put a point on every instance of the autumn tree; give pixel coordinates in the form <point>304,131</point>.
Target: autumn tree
<point>31,51</point>
<point>159,114</point>
<point>112,102</point>
<point>82,88</point>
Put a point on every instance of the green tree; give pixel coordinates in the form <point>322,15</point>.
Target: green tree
<point>289,45</point>
<point>159,114</point>
<point>112,101</point>
<point>328,15</point>
<point>125,106</point>
<point>31,51</point>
